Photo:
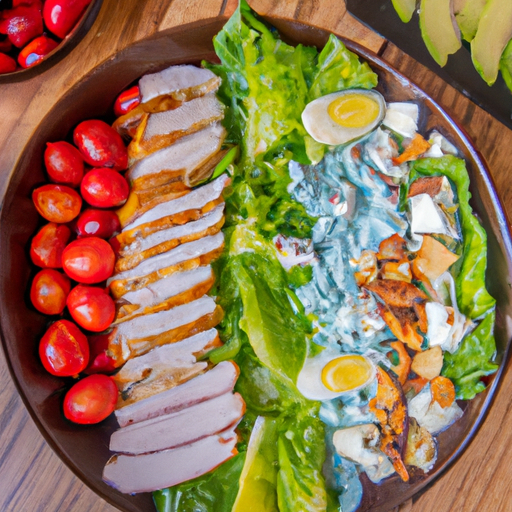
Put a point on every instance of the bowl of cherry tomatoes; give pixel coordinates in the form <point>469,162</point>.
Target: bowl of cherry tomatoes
<point>35,34</point>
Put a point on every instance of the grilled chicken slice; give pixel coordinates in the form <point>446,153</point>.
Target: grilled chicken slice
<point>168,292</point>
<point>132,474</point>
<point>176,162</point>
<point>165,240</point>
<point>158,131</point>
<point>143,333</point>
<point>167,90</point>
<point>184,257</point>
<point>182,83</point>
<point>215,382</point>
<point>179,428</point>
<point>164,367</point>
<point>172,204</point>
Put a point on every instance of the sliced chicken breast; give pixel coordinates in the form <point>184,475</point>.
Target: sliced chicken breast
<point>177,161</point>
<point>184,257</point>
<point>215,382</point>
<point>160,130</point>
<point>179,428</point>
<point>132,474</point>
<point>170,291</point>
<point>197,198</point>
<point>175,80</point>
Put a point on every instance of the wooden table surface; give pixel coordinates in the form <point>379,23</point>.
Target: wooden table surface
<point>32,477</point>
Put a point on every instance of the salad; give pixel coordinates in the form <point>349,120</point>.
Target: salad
<point>299,283</point>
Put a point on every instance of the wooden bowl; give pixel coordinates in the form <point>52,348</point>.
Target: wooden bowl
<point>65,46</point>
<point>85,449</point>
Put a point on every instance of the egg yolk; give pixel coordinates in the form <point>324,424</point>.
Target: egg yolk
<point>346,373</point>
<point>353,110</point>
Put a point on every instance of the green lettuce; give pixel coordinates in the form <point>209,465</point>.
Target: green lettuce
<point>473,298</point>
<point>506,64</point>
<point>471,361</point>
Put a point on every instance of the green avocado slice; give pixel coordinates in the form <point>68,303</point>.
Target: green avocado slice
<point>506,65</point>
<point>493,34</point>
<point>404,9</point>
<point>439,29</point>
<point>467,14</point>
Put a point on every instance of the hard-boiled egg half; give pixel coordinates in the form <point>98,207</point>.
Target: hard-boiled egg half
<point>329,375</point>
<point>343,116</point>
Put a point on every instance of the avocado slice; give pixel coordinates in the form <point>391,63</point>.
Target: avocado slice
<point>439,29</point>
<point>467,14</point>
<point>404,9</point>
<point>506,65</point>
<point>493,34</point>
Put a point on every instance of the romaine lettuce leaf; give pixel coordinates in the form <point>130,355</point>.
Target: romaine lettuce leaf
<point>472,296</point>
<point>471,361</point>
<point>301,448</point>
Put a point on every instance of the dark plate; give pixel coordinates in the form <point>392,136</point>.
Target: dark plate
<point>65,46</point>
<point>85,449</point>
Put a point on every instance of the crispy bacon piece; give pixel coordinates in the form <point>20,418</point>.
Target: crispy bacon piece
<point>390,408</point>
<point>396,293</point>
<point>430,185</point>
<point>417,147</point>
<point>392,248</point>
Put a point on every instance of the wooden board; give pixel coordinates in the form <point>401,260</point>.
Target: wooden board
<point>31,475</point>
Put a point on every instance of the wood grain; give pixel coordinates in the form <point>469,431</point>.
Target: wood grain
<point>32,478</point>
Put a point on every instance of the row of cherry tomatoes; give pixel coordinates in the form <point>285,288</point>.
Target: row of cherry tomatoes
<point>24,24</point>
<point>87,260</point>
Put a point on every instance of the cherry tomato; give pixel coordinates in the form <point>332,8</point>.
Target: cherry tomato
<point>36,51</point>
<point>37,3</point>
<point>48,245</point>
<point>100,145</point>
<point>91,307</point>
<point>64,163</point>
<point>60,16</point>
<point>88,260</point>
<point>57,203</point>
<point>7,64</point>
<point>104,188</point>
<point>64,349</point>
<point>6,46</point>
<point>100,361</point>
<point>49,291</point>
<point>127,101</point>
<point>91,400</point>
<point>21,24</point>
<point>100,223</point>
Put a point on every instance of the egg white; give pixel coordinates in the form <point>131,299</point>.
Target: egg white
<point>309,381</point>
<point>322,128</point>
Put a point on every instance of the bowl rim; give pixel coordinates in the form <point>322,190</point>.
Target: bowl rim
<point>504,232</point>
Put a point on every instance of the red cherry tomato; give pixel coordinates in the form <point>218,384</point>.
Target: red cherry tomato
<point>57,203</point>
<point>49,291</point>
<point>64,163</point>
<point>104,188</point>
<point>100,145</point>
<point>60,16</point>
<point>48,245</point>
<point>64,349</point>
<point>7,64</point>
<point>36,3</point>
<point>91,307</point>
<point>22,24</point>
<point>127,101</point>
<point>88,260</point>
<point>6,46</point>
<point>36,51</point>
<point>91,400</point>
<point>100,360</point>
<point>100,223</point>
